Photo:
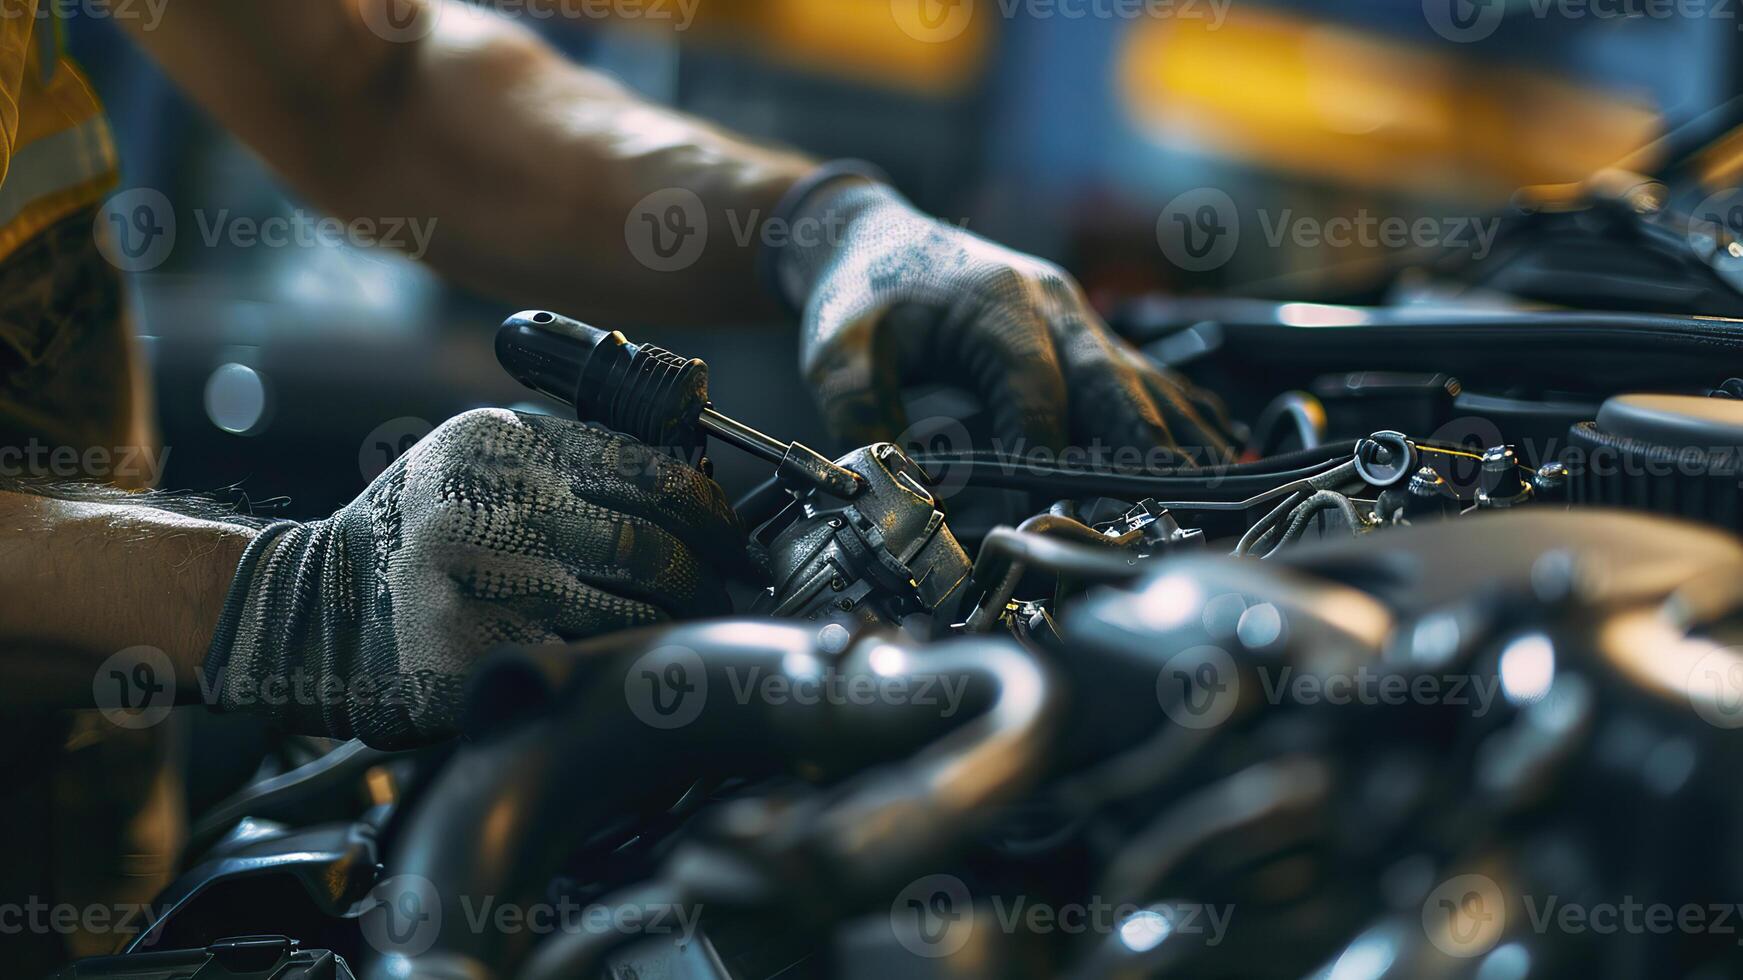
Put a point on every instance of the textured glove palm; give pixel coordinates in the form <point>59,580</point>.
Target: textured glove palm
<point>497,528</point>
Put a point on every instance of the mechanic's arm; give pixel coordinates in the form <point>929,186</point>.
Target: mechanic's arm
<point>81,580</point>
<point>497,528</point>
<point>529,165</point>
<point>532,167</point>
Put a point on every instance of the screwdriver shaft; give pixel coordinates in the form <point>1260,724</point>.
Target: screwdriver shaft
<point>738,434</point>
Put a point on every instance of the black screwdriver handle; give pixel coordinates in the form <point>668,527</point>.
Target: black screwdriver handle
<point>638,389</point>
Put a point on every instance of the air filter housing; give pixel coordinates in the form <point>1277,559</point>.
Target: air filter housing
<point>1670,454</point>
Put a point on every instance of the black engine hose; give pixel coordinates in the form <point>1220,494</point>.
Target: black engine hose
<point>1005,556</point>
<point>1218,485</point>
<point>562,742</point>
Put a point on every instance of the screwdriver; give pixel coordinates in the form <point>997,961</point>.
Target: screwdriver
<point>647,392</point>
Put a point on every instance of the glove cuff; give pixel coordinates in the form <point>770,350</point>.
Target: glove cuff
<point>235,600</point>
<point>784,278</point>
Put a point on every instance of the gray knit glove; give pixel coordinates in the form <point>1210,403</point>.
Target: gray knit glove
<point>497,528</point>
<point>893,297</point>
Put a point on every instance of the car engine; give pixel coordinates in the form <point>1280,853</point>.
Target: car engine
<point>1449,656</point>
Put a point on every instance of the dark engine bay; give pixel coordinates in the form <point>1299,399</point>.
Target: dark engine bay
<point>1447,659</point>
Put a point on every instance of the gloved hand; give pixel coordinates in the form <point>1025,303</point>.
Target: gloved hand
<point>497,528</point>
<point>893,297</point>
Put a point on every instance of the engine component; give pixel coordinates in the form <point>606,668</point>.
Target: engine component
<point>862,538</point>
<point>1670,454</point>
<point>1155,526</point>
<point>1384,458</point>
<point>1428,496</point>
<point>563,753</point>
<point>1589,636</point>
<point>1503,482</point>
<point>885,555</point>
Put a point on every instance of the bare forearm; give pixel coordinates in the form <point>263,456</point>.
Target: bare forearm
<point>80,581</point>
<point>529,167</point>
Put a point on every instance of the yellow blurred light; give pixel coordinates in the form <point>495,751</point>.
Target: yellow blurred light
<point>879,42</point>
<point>1361,110</point>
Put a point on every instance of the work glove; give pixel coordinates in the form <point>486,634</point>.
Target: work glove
<point>891,297</point>
<point>498,527</point>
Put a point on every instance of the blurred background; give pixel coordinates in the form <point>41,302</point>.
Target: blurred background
<point>298,373</point>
